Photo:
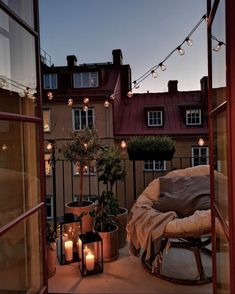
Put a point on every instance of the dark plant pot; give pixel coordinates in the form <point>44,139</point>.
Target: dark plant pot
<point>151,155</point>
<point>87,220</point>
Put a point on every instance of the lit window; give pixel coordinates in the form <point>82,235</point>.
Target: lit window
<point>154,165</point>
<point>200,155</point>
<point>48,169</point>
<point>85,79</point>
<point>155,118</point>
<point>86,170</point>
<point>49,206</point>
<point>193,117</point>
<point>46,120</point>
<point>50,81</point>
<point>83,119</point>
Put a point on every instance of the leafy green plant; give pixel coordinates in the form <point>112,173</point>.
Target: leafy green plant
<point>151,146</point>
<point>83,149</point>
<point>50,234</point>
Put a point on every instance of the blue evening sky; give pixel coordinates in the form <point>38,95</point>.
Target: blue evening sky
<point>145,30</point>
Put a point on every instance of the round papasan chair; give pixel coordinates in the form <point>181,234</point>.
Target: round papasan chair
<point>154,236</point>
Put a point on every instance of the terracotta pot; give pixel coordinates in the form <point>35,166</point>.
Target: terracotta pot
<point>121,220</point>
<point>110,244</point>
<point>51,259</point>
<point>87,220</point>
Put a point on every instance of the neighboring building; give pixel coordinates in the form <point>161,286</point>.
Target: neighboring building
<point>22,216</point>
<point>181,115</point>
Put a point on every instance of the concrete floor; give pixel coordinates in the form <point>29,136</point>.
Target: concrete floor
<point>127,276</point>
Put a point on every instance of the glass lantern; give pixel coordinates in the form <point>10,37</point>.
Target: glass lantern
<point>69,226</point>
<point>90,249</point>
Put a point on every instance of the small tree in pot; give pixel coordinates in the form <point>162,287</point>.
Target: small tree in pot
<point>82,150</point>
<point>111,169</point>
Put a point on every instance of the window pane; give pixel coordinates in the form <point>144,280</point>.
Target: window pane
<point>222,261</point>
<point>86,80</point>
<point>24,9</point>
<point>19,169</point>
<point>21,257</point>
<point>17,83</point>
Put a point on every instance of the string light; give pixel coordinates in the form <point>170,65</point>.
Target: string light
<point>2,82</point>
<point>4,147</point>
<point>49,95</point>
<point>112,97</point>
<point>130,94</point>
<point>85,108</point>
<point>136,85</point>
<point>70,102</point>
<point>181,51</point>
<point>123,144</point>
<point>154,73</point>
<point>218,45</point>
<point>106,104</point>
<point>86,100</point>
<point>189,41</point>
<point>162,66</point>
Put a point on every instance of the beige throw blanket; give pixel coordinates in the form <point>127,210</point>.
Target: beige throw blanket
<point>145,226</point>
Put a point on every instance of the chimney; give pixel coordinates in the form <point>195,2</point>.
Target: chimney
<point>117,57</point>
<point>71,60</point>
<point>172,86</point>
<point>204,90</point>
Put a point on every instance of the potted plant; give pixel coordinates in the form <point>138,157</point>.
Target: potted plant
<point>111,169</point>
<point>51,250</point>
<point>82,150</point>
<point>151,148</point>
<point>105,225</point>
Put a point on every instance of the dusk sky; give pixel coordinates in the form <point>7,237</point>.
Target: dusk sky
<point>145,30</point>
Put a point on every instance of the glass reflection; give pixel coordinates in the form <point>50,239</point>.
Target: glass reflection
<point>19,169</point>
<point>20,256</point>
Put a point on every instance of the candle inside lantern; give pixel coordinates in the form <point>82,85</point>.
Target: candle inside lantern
<point>68,249</point>
<point>79,248</point>
<point>90,261</point>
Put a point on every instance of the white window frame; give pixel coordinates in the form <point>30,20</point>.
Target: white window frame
<point>196,159</point>
<point>155,165</point>
<point>80,79</point>
<point>46,124</point>
<point>193,117</point>
<point>80,110</point>
<point>48,167</point>
<point>52,81</point>
<point>50,205</point>
<point>86,172</point>
<point>155,113</point>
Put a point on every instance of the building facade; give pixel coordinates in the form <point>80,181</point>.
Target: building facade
<point>117,118</point>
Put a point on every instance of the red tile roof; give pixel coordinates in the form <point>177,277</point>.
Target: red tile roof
<point>130,119</point>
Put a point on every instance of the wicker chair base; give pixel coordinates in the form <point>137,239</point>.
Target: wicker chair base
<point>197,246</point>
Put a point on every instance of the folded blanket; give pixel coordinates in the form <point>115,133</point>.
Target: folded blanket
<point>145,226</point>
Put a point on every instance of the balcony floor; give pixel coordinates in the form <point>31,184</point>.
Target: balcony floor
<point>127,276</point>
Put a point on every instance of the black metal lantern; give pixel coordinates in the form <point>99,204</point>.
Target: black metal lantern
<point>69,226</point>
<point>90,247</point>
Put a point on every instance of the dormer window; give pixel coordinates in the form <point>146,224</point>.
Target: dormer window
<point>193,117</point>
<point>50,81</point>
<point>155,118</point>
<point>86,79</point>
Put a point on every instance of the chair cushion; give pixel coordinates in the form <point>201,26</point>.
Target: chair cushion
<point>184,194</point>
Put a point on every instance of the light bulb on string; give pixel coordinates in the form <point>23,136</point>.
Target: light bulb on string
<point>70,102</point>
<point>4,147</point>
<point>129,94</point>
<point>154,73</point>
<point>123,144</point>
<point>136,85</point>
<point>2,82</point>
<point>112,97</point>
<point>162,66</point>
<point>21,94</point>
<point>85,108</point>
<point>189,41</point>
<point>181,51</point>
<point>106,104</point>
<point>49,95</point>
<point>218,46</point>
<point>86,100</point>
